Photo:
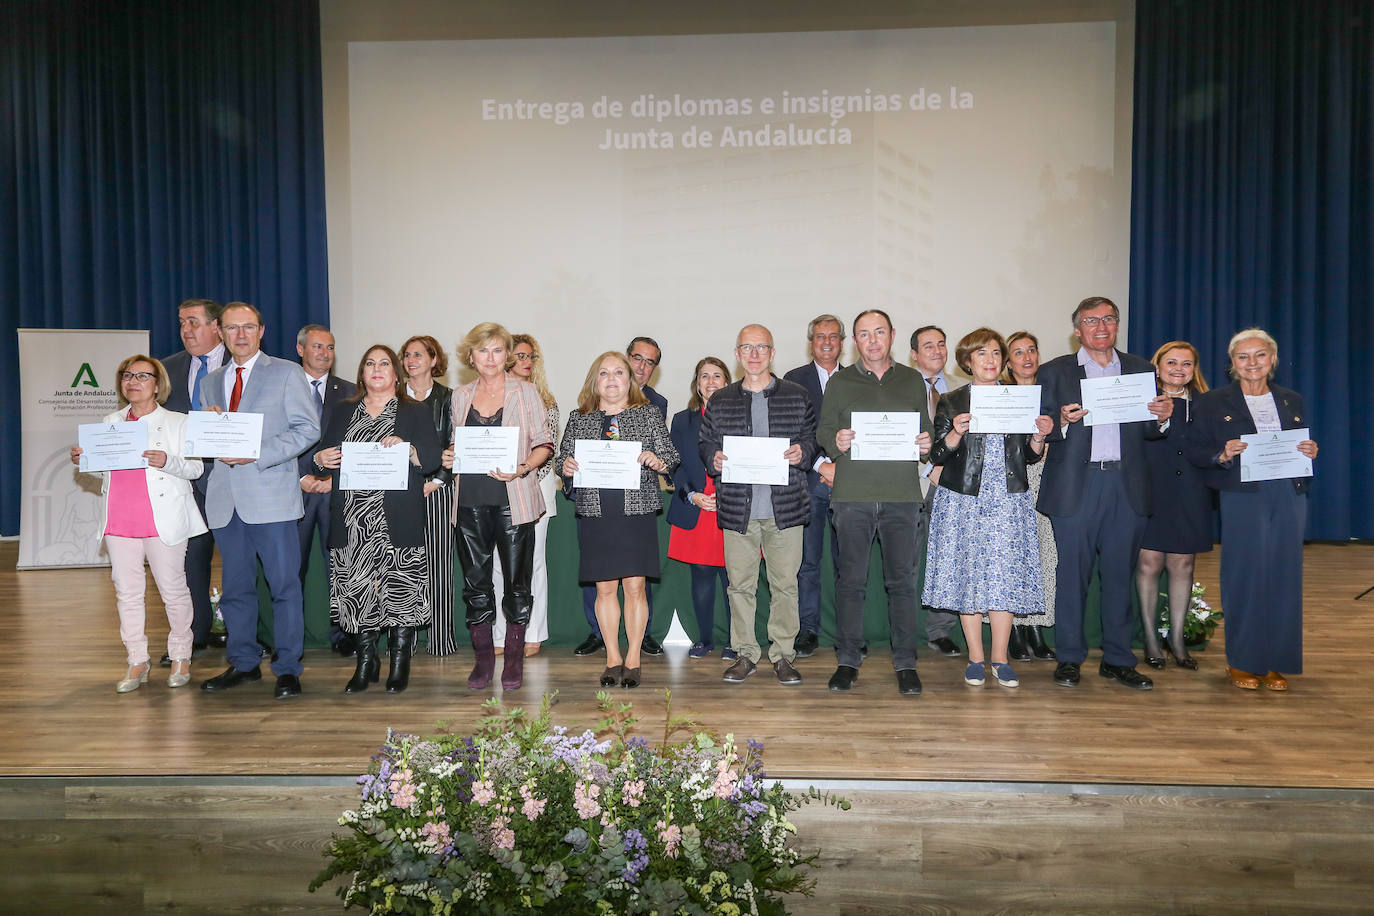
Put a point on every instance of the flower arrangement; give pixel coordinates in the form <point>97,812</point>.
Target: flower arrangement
<point>1200,621</point>
<point>524,816</point>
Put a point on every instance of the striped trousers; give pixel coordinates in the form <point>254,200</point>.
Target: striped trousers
<point>439,545</point>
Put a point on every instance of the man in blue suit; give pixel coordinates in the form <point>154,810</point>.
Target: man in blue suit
<point>315,347</point>
<point>644,354</point>
<point>198,324</point>
<point>825,336</point>
<point>252,504</point>
<point>1096,492</point>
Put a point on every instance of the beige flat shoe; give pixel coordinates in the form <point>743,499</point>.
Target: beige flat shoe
<point>135,677</point>
<point>181,673</point>
<point>531,648</point>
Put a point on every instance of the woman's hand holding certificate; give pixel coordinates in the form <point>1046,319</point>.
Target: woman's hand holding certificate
<point>1274,456</point>
<point>1003,408</point>
<point>479,449</point>
<point>607,464</point>
<point>111,446</point>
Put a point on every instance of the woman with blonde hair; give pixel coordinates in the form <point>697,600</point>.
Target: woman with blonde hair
<point>496,511</point>
<point>1175,535</point>
<point>526,363</point>
<point>617,530</point>
<point>148,513</point>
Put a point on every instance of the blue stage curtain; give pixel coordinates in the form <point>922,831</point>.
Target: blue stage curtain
<point>1252,171</point>
<point>151,152</point>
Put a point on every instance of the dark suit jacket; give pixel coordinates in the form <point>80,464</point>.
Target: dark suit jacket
<point>1221,415</point>
<point>656,399</point>
<point>405,509</point>
<point>178,367</point>
<point>1066,464</point>
<point>807,378</point>
<point>335,390</point>
<point>690,476</point>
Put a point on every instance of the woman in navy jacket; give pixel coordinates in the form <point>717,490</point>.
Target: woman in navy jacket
<point>694,536</point>
<point>1262,522</point>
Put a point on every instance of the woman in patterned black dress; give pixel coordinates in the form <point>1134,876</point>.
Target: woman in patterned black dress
<point>377,537</point>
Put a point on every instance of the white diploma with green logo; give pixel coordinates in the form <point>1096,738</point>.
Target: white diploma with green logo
<point>223,435</point>
<point>373,466</point>
<point>754,459</point>
<point>481,449</point>
<point>112,446</point>
<point>609,464</point>
<point>1118,398</point>
<point>1274,456</point>
<point>880,436</point>
<point>1003,408</point>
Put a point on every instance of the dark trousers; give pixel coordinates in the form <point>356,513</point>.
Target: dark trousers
<point>317,517</point>
<point>484,531</point>
<point>200,550</point>
<point>894,525</point>
<point>939,622</point>
<point>1105,532</point>
<point>704,580</point>
<point>1261,577</point>
<point>589,599</point>
<point>241,547</point>
<point>813,546</point>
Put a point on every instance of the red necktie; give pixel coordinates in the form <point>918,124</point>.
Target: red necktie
<point>237,393</point>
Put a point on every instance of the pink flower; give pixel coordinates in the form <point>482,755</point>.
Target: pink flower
<point>633,793</point>
<point>533,807</point>
<point>502,836</point>
<point>584,800</point>
<point>725,781</point>
<point>437,833</point>
<point>482,793</point>
<point>671,836</point>
<point>403,791</point>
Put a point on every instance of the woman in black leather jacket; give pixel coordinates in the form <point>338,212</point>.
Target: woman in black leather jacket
<point>983,555</point>
<point>425,362</point>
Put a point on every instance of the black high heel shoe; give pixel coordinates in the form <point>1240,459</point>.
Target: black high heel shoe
<point>611,676</point>
<point>1183,661</point>
<point>630,679</point>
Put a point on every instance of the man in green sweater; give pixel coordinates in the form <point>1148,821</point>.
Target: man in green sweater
<point>879,498</point>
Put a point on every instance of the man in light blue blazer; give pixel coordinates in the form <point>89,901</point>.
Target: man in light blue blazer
<point>252,505</point>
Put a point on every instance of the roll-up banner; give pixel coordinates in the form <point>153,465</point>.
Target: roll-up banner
<point>67,378</point>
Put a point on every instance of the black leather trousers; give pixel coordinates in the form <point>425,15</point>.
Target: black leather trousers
<point>484,532</point>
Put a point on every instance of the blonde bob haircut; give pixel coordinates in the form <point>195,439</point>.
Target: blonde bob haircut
<point>974,341</point>
<point>1253,334</point>
<point>588,401</point>
<point>1199,384</point>
<point>482,333</point>
<point>164,384</point>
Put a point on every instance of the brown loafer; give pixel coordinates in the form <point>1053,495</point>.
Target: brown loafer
<point>1275,681</point>
<point>1243,679</point>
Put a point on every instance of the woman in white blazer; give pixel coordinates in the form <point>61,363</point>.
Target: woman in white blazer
<point>149,513</point>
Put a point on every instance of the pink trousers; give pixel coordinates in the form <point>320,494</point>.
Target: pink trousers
<point>169,572</point>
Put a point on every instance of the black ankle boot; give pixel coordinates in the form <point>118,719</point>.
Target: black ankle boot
<point>1016,644</point>
<point>399,643</point>
<point>368,665</point>
<point>1035,639</point>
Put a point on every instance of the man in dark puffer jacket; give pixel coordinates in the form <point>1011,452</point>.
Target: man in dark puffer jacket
<point>761,518</point>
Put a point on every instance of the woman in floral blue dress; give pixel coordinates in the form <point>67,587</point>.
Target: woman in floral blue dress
<point>983,556</point>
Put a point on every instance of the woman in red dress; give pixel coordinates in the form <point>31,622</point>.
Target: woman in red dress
<point>694,537</point>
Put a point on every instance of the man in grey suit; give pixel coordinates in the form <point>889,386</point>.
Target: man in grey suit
<point>315,347</point>
<point>252,504</point>
<point>198,324</point>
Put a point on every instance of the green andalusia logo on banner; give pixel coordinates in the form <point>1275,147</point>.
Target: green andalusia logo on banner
<point>85,376</point>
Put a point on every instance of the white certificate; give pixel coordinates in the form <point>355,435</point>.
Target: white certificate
<point>1003,408</point>
<point>1119,398</point>
<point>370,466</point>
<point>885,436</point>
<point>479,449</point>
<point>607,463</point>
<point>754,459</point>
<point>112,446</point>
<point>223,435</point>
<point>1274,456</point>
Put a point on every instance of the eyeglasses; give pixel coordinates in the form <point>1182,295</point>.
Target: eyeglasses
<point>246,328</point>
<point>644,360</point>
<point>525,357</point>
<point>140,376</point>
<point>1092,321</point>
<point>754,349</point>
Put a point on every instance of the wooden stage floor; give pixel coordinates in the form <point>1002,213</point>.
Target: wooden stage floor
<point>63,718</point>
